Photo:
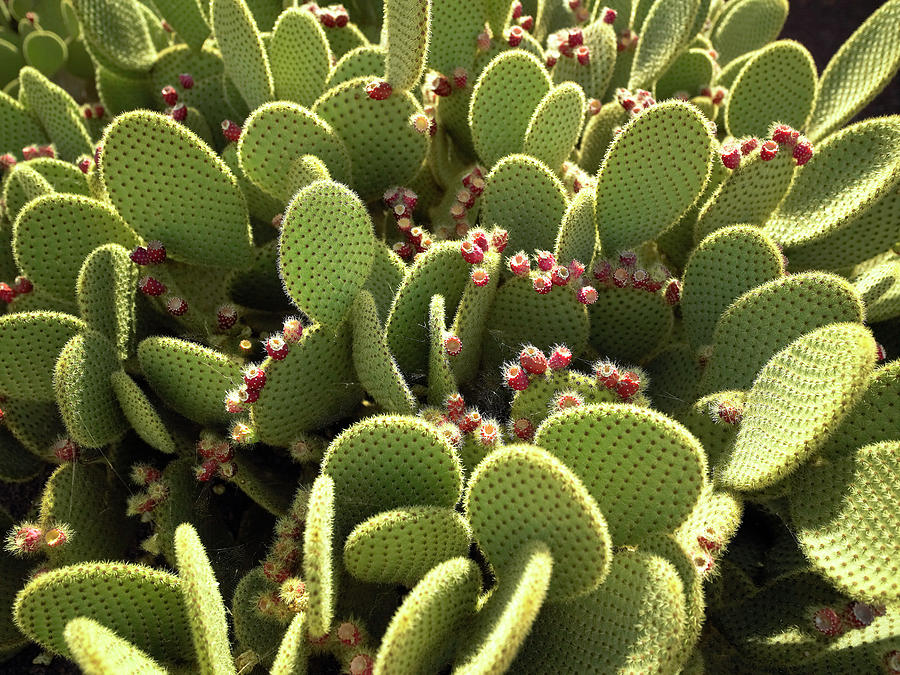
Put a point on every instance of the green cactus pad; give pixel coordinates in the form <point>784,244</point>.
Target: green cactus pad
<point>748,195</point>
<point>522,493</point>
<point>106,289</point>
<point>63,176</point>
<point>23,185</point>
<point>388,272</point>
<point>52,255</point>
<point>140,412</point>
<point>725,265</point>
<point>674,374</point>
<point>97,650</point>
<point>326,242</point>
<point>716,437</point>
<point>822,221</point>
<point>375,366</point>
<point>470,322</point>
<point>676,144</point>
<point>859,651</point>
<point>441,382</point>
<point>577,236</point>
<point>363,61</point>
<point>16,465</point>
<point>57,113</point>
<point>555,126</point>
<point>321,364</point>
<point>505,97</point>
<point>116,34</point>
<point>397,461</point>
<point>524,197</point>
<point>454,28</point>
<point>664,33</point>
<point>119,94</point>
<point>174,165</point>
<point>748,25</point>
<point>879,288</point>
<point>786,418</point>
<point>40,335</point>
<point>253,629</point>
<point>506,614</point>
<point>293,652</point>
<point>384,148</point>
<point>401,546</point>
<point>189,19</point>
<point>689,73</point>
<point>602,445</point>
<point>421,636</point>
<point>441,270</point>
<point>346,39</point>
<point>83,392</point>
<point>841,509</point>
<point>768,318</point>
<point>165,362</point>
<point>593,77</point>
<point>646,322</point>
<point>243,52</point>
<point>632,623</point>
<point>142,605</point>
<point>18,129</point>
<point>35,424</point>
<point>320,561</point>
<point>202,603</point>
<point>862,67</point>
<point>406,31</point>
<point>753,106</point>
<point>299,56</point>
<point>598,134</point>
<point>262,205</point>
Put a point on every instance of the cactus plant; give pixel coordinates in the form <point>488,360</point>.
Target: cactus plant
<point>531,336</point>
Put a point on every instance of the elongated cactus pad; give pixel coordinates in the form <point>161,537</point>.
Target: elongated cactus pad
<point>407,26</point>
<point>242,48</point>
<point>747,26</point>
<point>299,57</point>
<point>664,33</point>
<point>98,650</point>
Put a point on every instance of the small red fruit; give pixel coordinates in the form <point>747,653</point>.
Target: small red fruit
<point>560,358</point>
<point>170,96</point>
<point>731,157</point>
<point>349,634</point>
<point>470,252</point>
<point>583,54</point>
<point>892,662</point>
<point>156,252</point>
<point>254,378</point>
<point>277,348</point>
<point>567,399</point>
<point>859,614</point>
<point>179,112</point>
<point>479,237</point>
<point>226,317</point>
<point>587,295</point>
<point>828,622</point>
<point>7,292</point>
<point>620,277</point>
<point>379,90</point>
<point>517,9</point>
<point>523,429</point>
<point>545,260</point>
<point>66,450</point>
<point>489,432</point>
<point>84,165</point>
<point>749,146</point>
<point>783,134</point>
<point>768,151</point>
<point>150,286</point>
<point>673,292</point>
<point>542,284</point>
<point>206,471</point>
<point>607,374</point>
<point>292,330</point>
<point>231,131</point>
<point>452,345</point>
<point>470,421</point>
<point>609,16</point>
<point>361,664</point>
<point>559,276</point>
<point>803,152</point>
<point>480,276</point>
<point>187,82</point>
<point>7,161</point>
<point>519,264</point>
<point>455,405</point>
<point>176,306</point>
<point>499,240</point>
<point>575,37</point>
<point>515,35</point>
<point>88,113</point>
<point>440,85</point>
<point>140,256</point>
<point>533,360</point>
<point>515,377</point>
<point>460,77</point>
<point>628,385</point>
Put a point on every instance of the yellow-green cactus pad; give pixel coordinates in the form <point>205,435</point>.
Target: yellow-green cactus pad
<point>799,397</point>
<point>253,629</point>
<point>664,33</point>
<point>18,129</point>
<point>189,18</point>
<point>106,289</point>
<point>141,413</point>
<point>406,31</point>
<point>116,34</point>
<point>243,52</point>
<point>175,164</point>
<point>522,493</point>
<point>97,650</point>
<point>299,56</point>
<point>22,186</point>
<point>555,126</point>
<point>748,25</point>
<point>401,546</point>
<point>57,113</point>
<point>645,322</point>
<point>293,652</point>
<point>320,561</point>
<point>470,322</point>
<point>690,72</point>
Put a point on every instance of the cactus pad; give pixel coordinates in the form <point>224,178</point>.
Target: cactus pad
<point>243,51</point>
<point>98,650</point>
<point>299,57</point>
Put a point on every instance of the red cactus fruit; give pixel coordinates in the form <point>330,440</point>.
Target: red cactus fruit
<point>140,256</point>
<point>607,374</point>
<point>576,269</point>
<point>349,634</point>
<point>609,15</point>
<point>247,395</point>
<point>551,58</point>
<point>150,286</point>
<point>567,399</point>
<point>892,662</point>
<point>639,278</point>
<point>719,95</point>
<point>620,277</point>
<point>515,377</point>
<point>176,306</point>
<point>489,432</point>
<point>479,237</point>
<point>179,113</point>
<point>499,240</point>
<point>673,292</point>
<point>7,161</point>
<point>519,264</point>
<point>731,157</point>
<point>523,429</point>
<point>880,353</point>
<point>277,348</point>
<point>603,271</point>
<point>205,472</point>
<point>470,252</point>
<point>533,360</point>
<point>379,90</point>
<point>768,151</point>
<point>859,614</point>
<point>628,385</point>
<point>587,295</point>
<point>27,539</point>
<point>292,330</point>
<point>749,145</point>
<point>480,277</point>
<point>560,358</point>
<point>583,54</point>
<point>517,9</point>
<point>483,41</point>
<point>455,405</point>
<point>527,22</point>
<point>728,413</point>
<point>187,82</point>
<point>231,131</point>
<point>709,540</point>
<point>254,378</point>
<point>440,85</point>
<point>575,37</point>
<point>361,664</point>
<point>88,112</point>
<point>783,134</point>
<point>460,77</point>
<point>828,622</point>
<point>559,276</point>
<point>7,292</point>
<point>545,260</point>
<point>170,96</point>
<point>803,152</point>
<point>515,35</point>
<point>470,421</point>
<point>84,165</point>
<point>30,152</point>
<point>56,537</point>
<point>226,317</point>
<point>452,345</point>
<point>66,450</point>
<point>156,252</point>
<point>628,259</point>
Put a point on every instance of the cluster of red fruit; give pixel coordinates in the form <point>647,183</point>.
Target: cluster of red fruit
<point>472,186</point>
<point>155,490</point>
<point>401,202</point>
<point>93,111</point>
<point>550,274</point>
<point>333,16</point>
<point>726,412</point>
<point>782,135</point>
<point>8,160</point>
<point>217,459</point>
<point>475,245</point>
<point>832,623</point>
<point>283,557</point>
<point>569,43</point>
<point>625,384</point>
<point>635,102</point>
<point>20,286</point>
<point>627,274</point>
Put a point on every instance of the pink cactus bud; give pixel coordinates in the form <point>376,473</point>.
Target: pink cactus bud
<point>156,252</point>
<point>828,622</point>
<point>673,292</point>
<point>560,358</point>
<point>517,9</point>
<point>379,90</point>
<point>150,286</point>
<point>587,295</point>
<point>361,664</point>
<point>560,276</point>
<point>440,85</point>
<point>292,330</point>
<point>84,165</point>
<point>65,449</point>
<point>515,377</point>
<point>170,96</point>
<point>519,264</point>
<point>341,17</point>
<point>576,269</point>
<point>277,348</point>
<point>514,36</point>
<point>628,259</point>
<point>527,22</point>
<point>859,614</point>
<point>187,82</point>
<point>226,317</point>
<point>176,306</point>
<point>205,472</point>
<point>545,260</point>
<point>803,152</point>
<point>533,360</point>
<point>768,151</point>
<point>231,131</point>
<point>470,252</point>
<point>179,112</point>
<point>56,537</point>
<point>783,134</point>
<point>574,4</point>
<point>749,145</point>
<point>420,122</point>
<point>455,405</point>
<point>523,429</point>
<point>26,539</point>
<point>404,250</point>
<point>254,378</point>
<point>621,277</point>
<point>327,18</point>
<point>489,432</point>
<point>594,106</point>
<point>460,77</point>
<point>7,161</point>
<point>47,151</point>
<point>458,211</point>
<point>603,272</point>
<point>583,54</point>
<point>719,95</point>
<point>470,421</point>
<point>628,385</point>
<point>575,37</point>
<point>607,374</point>
<point>139,256</point>
<point>22,285</point>
<point>609,16</point>
<point>728,412</point>
<point>542,284</point>
<point>499,240</point>
<point>880,353</point>
<point>452,345</point>
<point>30,152</point>
<point>467,199</point>
<point>731,157</point>
<point>709,540</point>
<point>480,276</point>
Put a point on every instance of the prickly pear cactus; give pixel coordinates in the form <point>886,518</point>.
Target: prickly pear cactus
<point>444,336</point>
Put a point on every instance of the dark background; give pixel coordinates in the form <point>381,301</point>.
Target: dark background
<point>820,25</point>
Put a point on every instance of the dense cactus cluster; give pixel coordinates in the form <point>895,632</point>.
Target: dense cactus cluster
<point>448,336</point>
